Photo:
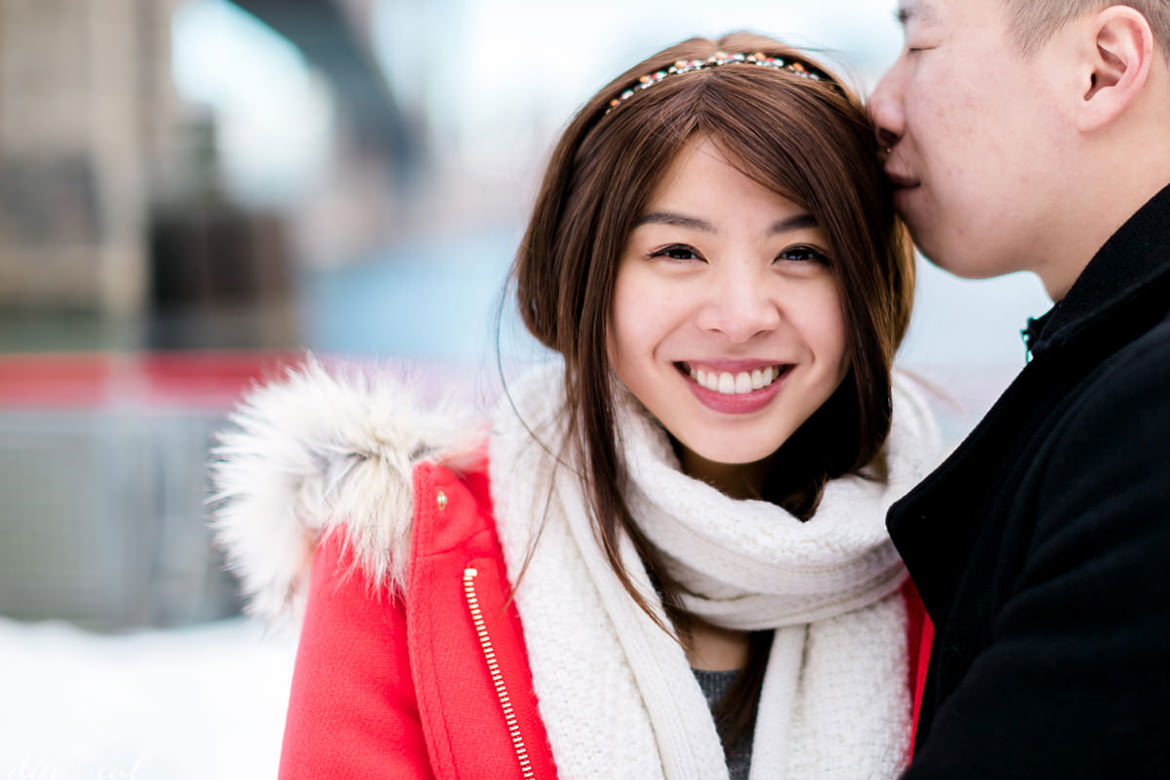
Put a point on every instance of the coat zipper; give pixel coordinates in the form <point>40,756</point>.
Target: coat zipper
<point>489,654</point>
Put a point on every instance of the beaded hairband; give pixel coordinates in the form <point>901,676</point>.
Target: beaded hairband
<point>714,61</point>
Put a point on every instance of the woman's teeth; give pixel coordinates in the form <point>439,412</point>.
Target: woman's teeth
<point>735,384</point>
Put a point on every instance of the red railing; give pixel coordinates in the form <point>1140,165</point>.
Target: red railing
<point>201,380</point>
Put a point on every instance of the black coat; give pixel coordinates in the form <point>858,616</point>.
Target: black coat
<point>1041,547</point>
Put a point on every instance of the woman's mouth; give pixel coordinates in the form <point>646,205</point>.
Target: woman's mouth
<point>734,382</point>
<point>729,388</point>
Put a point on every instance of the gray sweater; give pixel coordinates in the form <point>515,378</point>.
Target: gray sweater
<point>715,685</point>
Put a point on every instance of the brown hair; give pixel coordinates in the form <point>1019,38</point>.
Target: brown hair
<point>1032,22</point>
<point>806,140</point>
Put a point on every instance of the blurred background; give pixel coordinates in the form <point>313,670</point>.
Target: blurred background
<point>194,191</point>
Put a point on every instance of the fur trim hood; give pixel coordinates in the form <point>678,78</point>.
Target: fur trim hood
<point>326,449</point>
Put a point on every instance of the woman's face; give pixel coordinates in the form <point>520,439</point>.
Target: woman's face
<point>727,322</point>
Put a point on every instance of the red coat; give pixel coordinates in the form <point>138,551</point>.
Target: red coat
<point>434,683</point>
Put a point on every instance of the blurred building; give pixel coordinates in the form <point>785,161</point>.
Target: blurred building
<point>86,115</point>
<point>114,232</point>
<point>121,230</point>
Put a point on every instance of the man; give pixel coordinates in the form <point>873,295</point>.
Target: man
<point>1034,135</point>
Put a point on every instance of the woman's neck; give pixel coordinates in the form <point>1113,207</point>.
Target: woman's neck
<point>714,649</point>
<point>735,480</point>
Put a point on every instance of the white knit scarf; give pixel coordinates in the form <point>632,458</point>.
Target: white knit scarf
<point>617,694</point>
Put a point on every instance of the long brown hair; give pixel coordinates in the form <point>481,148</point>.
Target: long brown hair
<point>806,140</point>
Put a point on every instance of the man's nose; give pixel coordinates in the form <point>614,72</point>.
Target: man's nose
<point>885,109</point>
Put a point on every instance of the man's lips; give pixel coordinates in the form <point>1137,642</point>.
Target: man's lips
<point>901,181</point>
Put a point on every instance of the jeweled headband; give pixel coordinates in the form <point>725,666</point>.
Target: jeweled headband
<point>714,61</point>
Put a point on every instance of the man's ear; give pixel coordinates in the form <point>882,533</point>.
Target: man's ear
<point>1118,53</point>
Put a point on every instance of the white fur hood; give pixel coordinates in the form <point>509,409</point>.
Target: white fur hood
<point>320,449</point>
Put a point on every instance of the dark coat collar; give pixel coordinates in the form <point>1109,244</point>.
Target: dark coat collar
<point>1124,291</point>
<point>1128,266</point>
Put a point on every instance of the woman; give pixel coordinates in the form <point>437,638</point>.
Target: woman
<point>666,557</point>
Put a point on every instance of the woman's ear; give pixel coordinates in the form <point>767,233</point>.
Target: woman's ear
<point>1118,52</point>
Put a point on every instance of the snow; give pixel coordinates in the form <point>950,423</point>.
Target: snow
<point>201,702</point>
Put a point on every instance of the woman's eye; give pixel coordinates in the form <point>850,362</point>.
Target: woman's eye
<point>803,254</point>
<point>677,252</point>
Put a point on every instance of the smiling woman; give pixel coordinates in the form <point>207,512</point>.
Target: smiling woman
<point>814,170</point>
<point>667,556</point>
<point>727,318</point>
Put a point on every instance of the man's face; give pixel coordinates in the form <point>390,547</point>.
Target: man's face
<point>971,133</point>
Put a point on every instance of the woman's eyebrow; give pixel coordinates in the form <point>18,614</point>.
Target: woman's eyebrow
<point>786,225</point>
<point>675,220</point>
<point>795,222</point>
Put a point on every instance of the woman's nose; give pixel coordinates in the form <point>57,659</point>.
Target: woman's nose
<point>740,307</point>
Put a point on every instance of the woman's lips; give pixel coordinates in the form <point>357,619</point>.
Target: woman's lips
<point>733,391</point>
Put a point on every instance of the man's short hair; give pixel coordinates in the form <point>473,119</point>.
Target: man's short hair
<point>1032,22</point>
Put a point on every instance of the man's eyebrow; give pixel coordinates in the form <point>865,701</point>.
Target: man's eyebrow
<point>910,9</point>
<point>674,220</point>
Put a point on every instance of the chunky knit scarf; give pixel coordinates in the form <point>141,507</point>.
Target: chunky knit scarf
<point>616,692</point>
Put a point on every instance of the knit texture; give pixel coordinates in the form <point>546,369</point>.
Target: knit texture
<point>617,694</point>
